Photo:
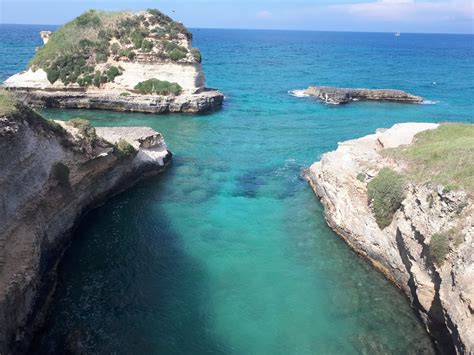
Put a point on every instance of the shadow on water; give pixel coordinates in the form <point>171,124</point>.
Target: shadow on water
<point>126,285</point>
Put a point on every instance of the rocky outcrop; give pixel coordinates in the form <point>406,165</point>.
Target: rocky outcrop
<point>115,101</point>
<point>54,173</point>
<point>442,295</point>
<point>98,59</point>
<point>332,95</point>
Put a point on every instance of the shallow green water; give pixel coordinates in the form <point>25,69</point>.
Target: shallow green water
<point>228,251</point>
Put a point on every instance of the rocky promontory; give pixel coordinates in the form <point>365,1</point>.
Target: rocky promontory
<point>402,198</point>
<point>123,61</point>
<point>51,173</point>
<point>333,95</point>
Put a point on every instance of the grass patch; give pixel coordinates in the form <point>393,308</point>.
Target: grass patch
<point>439,247</point>
<point>443,156</point>
<point>159,87</point>
<point>386,191</point>
<point>7,103</point>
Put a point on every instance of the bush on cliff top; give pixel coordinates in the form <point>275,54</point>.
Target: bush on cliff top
<point>386,192</point>
<point>159,87</point>
<point>444,156</point>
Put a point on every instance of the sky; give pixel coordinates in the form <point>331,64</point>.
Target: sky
<point>425,16</point>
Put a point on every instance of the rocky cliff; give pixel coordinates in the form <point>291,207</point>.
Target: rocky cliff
<point>51,173</point>
<point>437,278</point>
<point>133,61</point>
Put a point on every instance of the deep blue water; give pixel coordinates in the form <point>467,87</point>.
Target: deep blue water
<point>228,251</point>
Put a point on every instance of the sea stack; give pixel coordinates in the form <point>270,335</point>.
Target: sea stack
<point>402,198</point>
<point>120,61</point>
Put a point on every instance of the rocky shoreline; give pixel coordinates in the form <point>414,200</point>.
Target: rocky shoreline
<point>333,95</point>
<point>443,295</point>
<point>54,173</point>
<point>204,101</point>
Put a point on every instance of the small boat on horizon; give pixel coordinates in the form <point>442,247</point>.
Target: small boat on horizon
<point>397,34</point>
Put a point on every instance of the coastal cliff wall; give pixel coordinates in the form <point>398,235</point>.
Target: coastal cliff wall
<point>442,293</point>
<point>51,173</point>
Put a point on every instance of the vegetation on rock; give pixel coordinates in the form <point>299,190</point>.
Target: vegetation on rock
<point>159,87</point>
<point>85,128</point>
<point>93,41</point>
<point>439,247</point>
<point>124,149</point>
<point>7,103</point>
<point>443,156</point>
<point>386,192</point>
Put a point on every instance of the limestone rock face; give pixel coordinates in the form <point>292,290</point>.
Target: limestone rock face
<point>334,95</point>
<point>443,295</point>
<point>51,175</point>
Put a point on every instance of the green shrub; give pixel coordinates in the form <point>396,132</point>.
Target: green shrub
<point>439,247</point>
<point>84,127</point>
<point>60,172</point>
<point>124,93</point>
<point>147,46</point>
<point>124,149</point>
<point>130,54</point>
<point>96,79</point>
<point>88,19</point>
<point>177,54</point>
<point>160,87</point>
<point>386,191</point>
<point>115,48</point>
<point>137,39</point>
<point>112,72</point>
<point>52,74</point>
<point>100,57</point>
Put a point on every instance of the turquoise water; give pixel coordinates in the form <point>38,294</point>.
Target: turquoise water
<point>228,251</point>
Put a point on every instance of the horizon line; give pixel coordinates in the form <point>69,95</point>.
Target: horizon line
<point>275,29</point>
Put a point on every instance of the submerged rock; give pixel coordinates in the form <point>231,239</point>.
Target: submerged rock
<point>333,95</point>
<point>53,173</point>
<point>441,292</point>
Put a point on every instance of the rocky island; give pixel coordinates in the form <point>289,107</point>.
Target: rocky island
<point>402,198</point>
<point>53,173</point>
<point>121,61</point>
<point>332,95</point>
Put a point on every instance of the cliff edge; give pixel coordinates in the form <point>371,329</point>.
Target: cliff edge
<point>51,173</point>
<point>402,198</point>
<point>121,61</point>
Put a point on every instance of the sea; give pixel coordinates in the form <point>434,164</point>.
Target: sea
<point>228,252</point>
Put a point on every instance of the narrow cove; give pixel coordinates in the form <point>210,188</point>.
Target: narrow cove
<point>228,251</point>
